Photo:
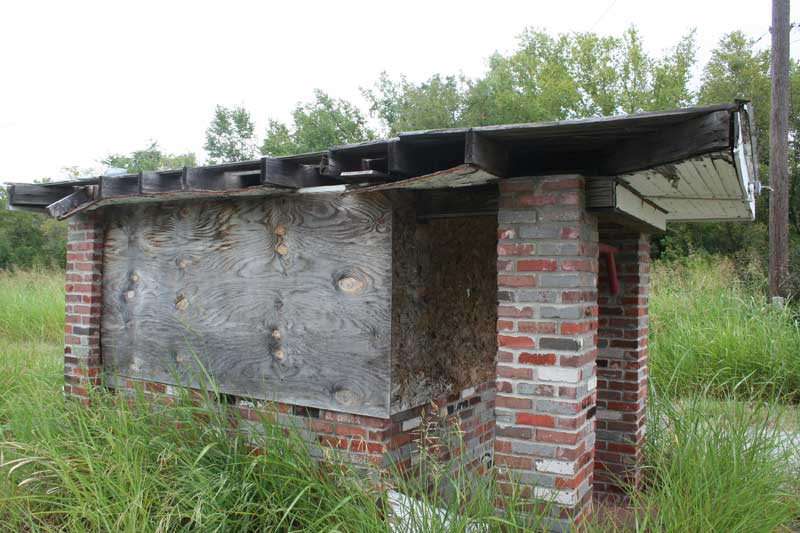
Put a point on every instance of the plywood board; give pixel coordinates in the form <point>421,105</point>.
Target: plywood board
<point>284,298</point>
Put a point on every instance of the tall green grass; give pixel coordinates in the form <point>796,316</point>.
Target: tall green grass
<point>709,330</point>
<point>717,456</point>
<point>131,464</point>
<point>32,306</point>
<point>716,465</point>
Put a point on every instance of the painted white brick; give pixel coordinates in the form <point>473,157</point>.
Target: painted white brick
<point>591,384</point>
<point>568,375</point>
<point>412,423</point>
<point>556,467</point>
<point>466,393</point>
<point>563,497</point>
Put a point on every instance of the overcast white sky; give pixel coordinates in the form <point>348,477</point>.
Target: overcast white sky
<point>79,80</point>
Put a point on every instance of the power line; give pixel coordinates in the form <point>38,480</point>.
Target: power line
<point>792,26</point>
<point>596,22</point>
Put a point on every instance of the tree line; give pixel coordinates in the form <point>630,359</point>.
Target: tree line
<point>545,77</point>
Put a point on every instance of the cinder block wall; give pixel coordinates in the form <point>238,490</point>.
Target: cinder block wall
<point>622,363</point>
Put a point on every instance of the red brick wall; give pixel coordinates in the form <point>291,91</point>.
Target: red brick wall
<point>382,443</point>
<point>546,336</point>
<point>84,273</point>
<point>622,363</point>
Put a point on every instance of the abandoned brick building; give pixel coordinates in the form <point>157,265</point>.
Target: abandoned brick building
<point>495,275</point>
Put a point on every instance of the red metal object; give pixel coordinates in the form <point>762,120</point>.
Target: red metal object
<point>611,267</point>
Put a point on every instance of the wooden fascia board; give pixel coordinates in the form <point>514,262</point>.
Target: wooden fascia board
<point>610,197</point>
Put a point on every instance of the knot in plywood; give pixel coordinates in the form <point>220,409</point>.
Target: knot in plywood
<point>267,311</point>
<point>346,396</point>
<point>350,284</point>
<point>181,303</point>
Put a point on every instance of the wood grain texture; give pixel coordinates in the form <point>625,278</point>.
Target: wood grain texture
<point>284,299</point>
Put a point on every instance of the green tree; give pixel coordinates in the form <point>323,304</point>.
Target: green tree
<point>148,159</point>
<point>403,106</point>
<point>737,70</point>
<point>230,136</point>
<point>317,125</point>
<point>28,240</point>
<point>547,77</point>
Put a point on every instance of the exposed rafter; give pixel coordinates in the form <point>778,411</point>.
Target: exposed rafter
<point>444,158</point>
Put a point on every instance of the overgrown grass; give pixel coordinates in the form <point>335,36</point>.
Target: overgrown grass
<point>32,306</point>
<point>723,365</point>
<point>716,465</point>
<point>711,331</point>
<point>131,464</point>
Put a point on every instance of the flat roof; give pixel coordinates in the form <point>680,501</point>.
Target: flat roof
<point>695,163</point>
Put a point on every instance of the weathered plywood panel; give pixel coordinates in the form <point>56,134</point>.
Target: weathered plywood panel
<point>286,298</point>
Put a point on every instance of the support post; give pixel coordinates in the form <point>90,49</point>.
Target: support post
<point>83,296</point>
<point>778,153</point>
<point>622,354</point>
<point>546,336</point>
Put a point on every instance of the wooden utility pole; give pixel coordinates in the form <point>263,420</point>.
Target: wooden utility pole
<point>778,152</point>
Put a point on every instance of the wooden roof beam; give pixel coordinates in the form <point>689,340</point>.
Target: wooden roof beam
<point>160,182</point>
<point>613,201</point>
<point>35,196</point>
<point>696,136</point>
<point>483,152</point>
<point>287,173</point>
<point>64,206</point>
<point>354,169</point>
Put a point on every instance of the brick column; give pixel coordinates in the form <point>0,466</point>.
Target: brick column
<point>547,327</point>
<point>82,364</point>
<point>622,363</point>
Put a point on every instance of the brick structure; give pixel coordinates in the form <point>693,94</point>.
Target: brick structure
<point>622,363</point>
<point>364,440</point>
<point>375,295</point>
<point>83,296</point>
<point>547,327</point>
<point>547,345</point>
<point>380,443</point>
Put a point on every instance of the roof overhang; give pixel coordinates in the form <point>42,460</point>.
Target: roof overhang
<point>691,164</point>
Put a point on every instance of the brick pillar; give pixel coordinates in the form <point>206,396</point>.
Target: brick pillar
<point>82,364</point>
<point>622,363</point>
<point>547,327</point>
